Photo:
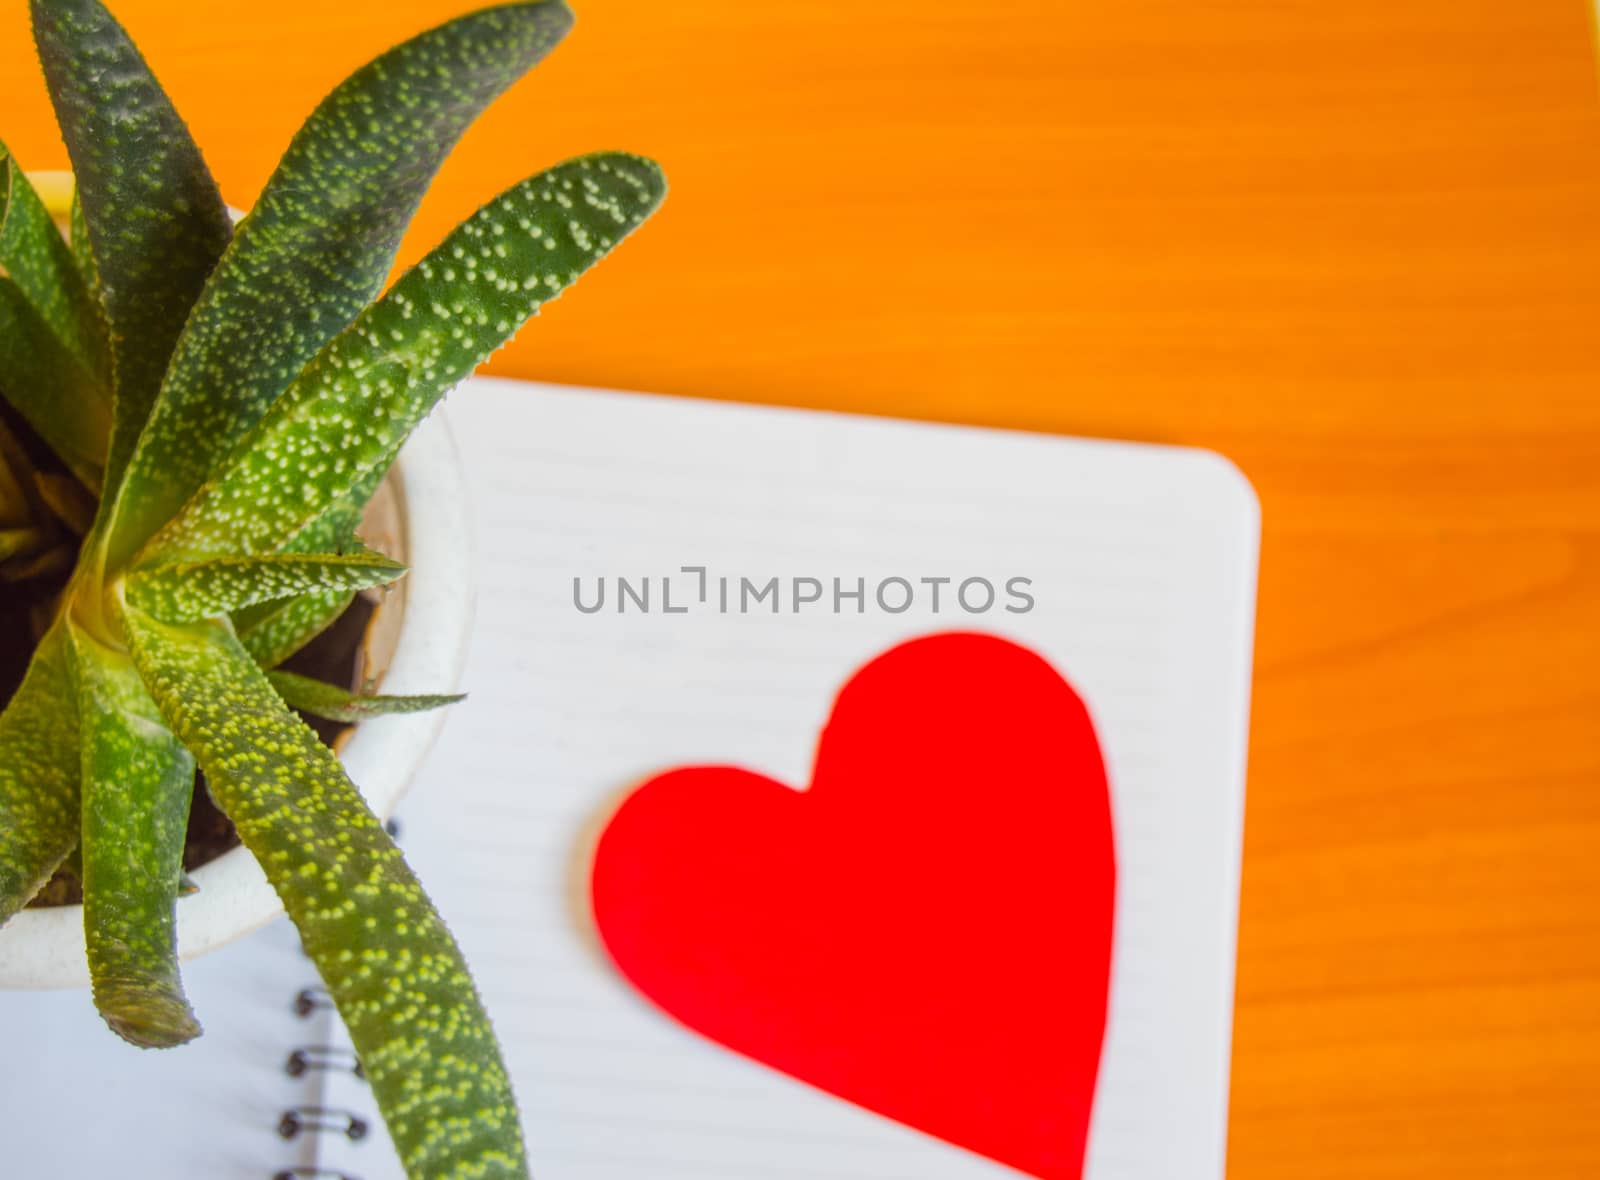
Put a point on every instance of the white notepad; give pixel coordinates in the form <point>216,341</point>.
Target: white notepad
<point>1141,565</point>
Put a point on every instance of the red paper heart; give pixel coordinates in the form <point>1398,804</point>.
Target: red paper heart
<point>925,932</point>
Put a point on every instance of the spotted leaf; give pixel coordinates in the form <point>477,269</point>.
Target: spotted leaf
<point>370,386</point>
<point>155,220</point>
<point>78,238</point>
<point>340,704</point>
<point>39,771</point>
<point>40,263</point>
<point>185,591</point>
<point>320,241</point>
<point>137,783</point>
<point>336,526</point>
<point>393,969</point>
<point>273,631</point>
<point>60,398</point>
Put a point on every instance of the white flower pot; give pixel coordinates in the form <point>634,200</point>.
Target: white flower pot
<point>44,948</point>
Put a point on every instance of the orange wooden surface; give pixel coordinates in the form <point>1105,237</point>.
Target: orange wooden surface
<point>1356,246</point>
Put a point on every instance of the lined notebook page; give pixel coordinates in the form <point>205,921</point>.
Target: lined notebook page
<point>79,1104</point>
<point>1142,568</point>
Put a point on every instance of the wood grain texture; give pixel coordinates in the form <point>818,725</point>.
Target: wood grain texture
<point>1354,246</point>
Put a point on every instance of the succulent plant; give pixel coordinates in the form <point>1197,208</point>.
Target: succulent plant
<point>220,402</point>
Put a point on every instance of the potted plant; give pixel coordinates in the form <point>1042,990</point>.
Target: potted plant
<point>210,409</point>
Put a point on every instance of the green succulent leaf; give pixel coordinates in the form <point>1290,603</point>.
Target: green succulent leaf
<point>320,242</point>
<point>368,388</point>
<point>336,527</point>
<point>393,969</point>
<point>156,223</point>
<point>39,771</point>
<point>185,591</point>
<point>321,699</point>
<point>82,257</point>
<point>47,385</point>
<point>40,264</point>
<point>273,631</point>
<point>137,783</point>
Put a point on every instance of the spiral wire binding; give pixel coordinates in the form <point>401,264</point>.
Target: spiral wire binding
<point>307,1058</point>
<point>321,1120</point>
<point>311,999</point>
